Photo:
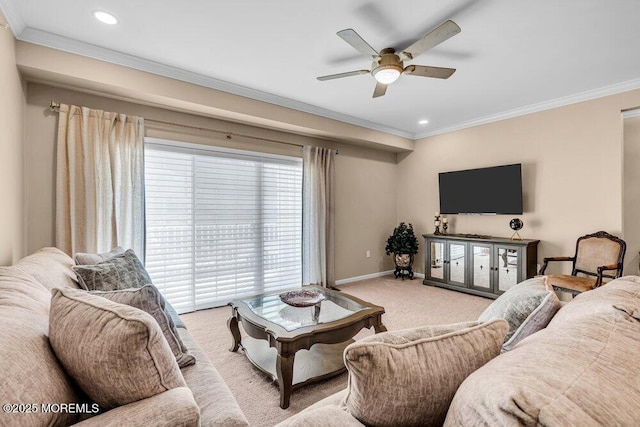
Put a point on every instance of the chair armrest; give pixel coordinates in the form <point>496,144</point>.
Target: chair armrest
<point>609,267</point>
<point>603,268</point>
<point>555,258</point>
<point>175,407</point>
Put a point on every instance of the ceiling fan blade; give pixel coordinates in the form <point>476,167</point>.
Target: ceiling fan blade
<point>341,75</point>
<point>425,71</point>
<point>358,43</point>
<point>443,32</point>
<point>380,90</point>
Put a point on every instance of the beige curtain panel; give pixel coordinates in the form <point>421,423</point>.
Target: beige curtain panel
<point>99,181</point>
<point>318,216</point>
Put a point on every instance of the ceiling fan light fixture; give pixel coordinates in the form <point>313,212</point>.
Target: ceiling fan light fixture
<point>387,74</point>
<point>388,65</point>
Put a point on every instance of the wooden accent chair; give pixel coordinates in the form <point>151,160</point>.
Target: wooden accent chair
<point>595,254</point>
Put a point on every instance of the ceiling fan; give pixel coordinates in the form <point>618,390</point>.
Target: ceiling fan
<point>388,65</point>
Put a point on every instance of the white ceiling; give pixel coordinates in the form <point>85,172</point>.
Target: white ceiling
<point>512,56</point>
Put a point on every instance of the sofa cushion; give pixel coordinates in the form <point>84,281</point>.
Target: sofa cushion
<point>528,306</point>
<point>29,370</point>
<point>217,405</point>
<point>325,416</point>
<point>577,371</point>
<point>87,259</point>
<point>115,353</point>
<point>148,299</point>
<point>119,272</point>
<point>409,377</point>
<point>175,407</point>
<point>50,267</point>
<point>625,290</point>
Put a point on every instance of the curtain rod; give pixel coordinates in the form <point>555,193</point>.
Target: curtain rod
<point>55,107</point>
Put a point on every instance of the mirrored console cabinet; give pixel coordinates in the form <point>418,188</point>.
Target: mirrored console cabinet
<point>479,265</point>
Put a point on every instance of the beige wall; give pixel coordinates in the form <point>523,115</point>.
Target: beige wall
<point>365,210</point>
<point>11,156</point>
<point>365,178</point>
<point>572,157</point>
<point>90,75</point>
<point>572,172</point>
<point>631,193</point>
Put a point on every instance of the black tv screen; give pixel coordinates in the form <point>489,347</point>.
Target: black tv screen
<point>494,190</point>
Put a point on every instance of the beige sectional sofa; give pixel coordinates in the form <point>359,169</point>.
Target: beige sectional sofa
<point>35,390</point>
<point>582,370</point>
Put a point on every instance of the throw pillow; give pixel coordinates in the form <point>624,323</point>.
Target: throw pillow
<point>88,259</point>
<point>115,353</point>
<point>528,306</point>
<point>409,377</point>
<point>119,272</point>
<point>118,269</point>
<point>148,299</point>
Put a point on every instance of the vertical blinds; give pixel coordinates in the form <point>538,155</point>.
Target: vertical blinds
<point>221,224</point>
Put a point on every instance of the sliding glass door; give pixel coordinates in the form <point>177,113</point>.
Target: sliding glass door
<point>221,224</point>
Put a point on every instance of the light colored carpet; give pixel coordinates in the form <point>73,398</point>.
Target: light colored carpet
<point>407,304</point>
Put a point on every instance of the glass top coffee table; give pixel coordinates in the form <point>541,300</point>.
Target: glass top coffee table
<point>298,345</point>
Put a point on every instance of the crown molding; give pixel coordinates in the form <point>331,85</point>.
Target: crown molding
<point>65,44</point>
<point>13,18</point>
<point>542,106</point>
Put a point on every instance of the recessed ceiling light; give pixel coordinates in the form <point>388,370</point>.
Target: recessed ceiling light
<point>423,122</point>
<point>105,17</point>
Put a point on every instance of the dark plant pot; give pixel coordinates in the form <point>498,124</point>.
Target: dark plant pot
<point>404,263</point>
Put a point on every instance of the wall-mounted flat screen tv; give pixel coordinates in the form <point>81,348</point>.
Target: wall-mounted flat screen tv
<point>496,190</point>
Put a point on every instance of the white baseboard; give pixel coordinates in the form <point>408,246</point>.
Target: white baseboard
<point>366,276</point>
<point>372,276</point>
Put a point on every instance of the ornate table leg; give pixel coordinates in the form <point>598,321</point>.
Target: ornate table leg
<point>232,323</point>
<point>284,369</point>
<point>379,328</point>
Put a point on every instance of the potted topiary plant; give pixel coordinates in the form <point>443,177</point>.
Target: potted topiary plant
<point>403,244</point>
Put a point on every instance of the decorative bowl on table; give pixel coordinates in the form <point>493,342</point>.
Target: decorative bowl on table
<point>302,298</point>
